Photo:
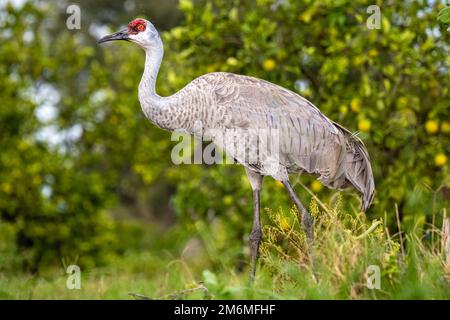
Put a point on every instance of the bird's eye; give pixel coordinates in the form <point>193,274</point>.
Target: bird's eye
<point>140,27</point>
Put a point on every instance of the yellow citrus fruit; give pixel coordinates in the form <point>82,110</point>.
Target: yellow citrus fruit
<point>269,64</point>
<point>402,102</point>
<point>227,200</point>
<point>364,125</point>
<point>232,61</point>
<point>172,77</point>
<point>440,159</point>
<point>343,109</point>
<point>431,126</point>
<point>358,60</point>
<point>279,184</point>
<point>305,16</point>
<point>6,187</point>
<point>234,14</point>
<point>445,127</point>
<point>355,105</point>
<point>316,186</point>
<point>373,52</point>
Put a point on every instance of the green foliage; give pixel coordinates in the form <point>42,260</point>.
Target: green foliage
<point>444,15</point>
<point>57,209</point>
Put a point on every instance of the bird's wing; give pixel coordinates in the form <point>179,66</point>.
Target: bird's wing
<point>261,99</point>
<point>308,139</point>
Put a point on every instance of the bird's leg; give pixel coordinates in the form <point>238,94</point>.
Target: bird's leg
<point>255,235</point>
<point>255,180</point>
<point>303,215</point>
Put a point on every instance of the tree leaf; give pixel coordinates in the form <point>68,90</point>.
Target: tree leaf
<point>444,15</point>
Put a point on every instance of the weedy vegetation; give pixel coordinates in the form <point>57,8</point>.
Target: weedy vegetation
<point>413,264</point>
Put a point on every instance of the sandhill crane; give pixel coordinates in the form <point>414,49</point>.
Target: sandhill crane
<point>307,141</point>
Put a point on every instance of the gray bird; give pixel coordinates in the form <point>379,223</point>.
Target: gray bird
<point>270,130</point>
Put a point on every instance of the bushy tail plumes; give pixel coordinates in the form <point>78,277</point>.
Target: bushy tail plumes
<point>358,171</point>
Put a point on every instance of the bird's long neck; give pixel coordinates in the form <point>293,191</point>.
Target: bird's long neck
<point>154,106</point>
<point>165,112</point>
<point>147,86</point>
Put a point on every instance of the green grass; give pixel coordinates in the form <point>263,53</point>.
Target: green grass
<point>172,264</point>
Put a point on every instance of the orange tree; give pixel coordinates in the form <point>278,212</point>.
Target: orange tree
<point>52,207</point>
<point>389,84</point>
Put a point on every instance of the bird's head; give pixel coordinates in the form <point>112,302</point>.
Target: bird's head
<point>140,31</point>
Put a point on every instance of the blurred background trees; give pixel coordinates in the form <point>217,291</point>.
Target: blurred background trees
<point>81,169</point>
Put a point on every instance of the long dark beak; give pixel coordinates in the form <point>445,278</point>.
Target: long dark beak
<point>121,35</point>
